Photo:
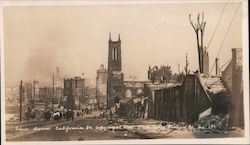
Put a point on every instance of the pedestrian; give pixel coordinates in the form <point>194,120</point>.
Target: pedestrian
<point>78,114</point>
<point>72,115</point>
<point>64,114</point>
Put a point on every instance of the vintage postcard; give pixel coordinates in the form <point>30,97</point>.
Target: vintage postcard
<point>77,72</point>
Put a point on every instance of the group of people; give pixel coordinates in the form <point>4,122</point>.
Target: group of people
<point>135,108</point>
<point>58,115</point>
<point>68,114</point>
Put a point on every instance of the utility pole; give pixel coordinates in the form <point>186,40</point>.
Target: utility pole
<point>82,94</point>
<point>34,92</point>
<point>53,93</point>
<point>21,99</point>
<point>79,95</point>
<point>217,66</point>
<point>186,67</point>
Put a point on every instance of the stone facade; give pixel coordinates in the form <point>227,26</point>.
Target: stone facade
<point>101,86</point>
<point>115,78</point>
<point>74,89</point>
<point>160,75</point>
<point>134,88</point>
<point>50,95</point>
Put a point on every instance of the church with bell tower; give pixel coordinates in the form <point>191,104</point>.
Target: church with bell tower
<point>115,80</point>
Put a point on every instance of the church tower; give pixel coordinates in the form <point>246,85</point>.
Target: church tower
<point>114,56</point>
<point>115,85</point>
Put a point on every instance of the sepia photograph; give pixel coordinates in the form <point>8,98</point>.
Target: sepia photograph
<point>122,71</point>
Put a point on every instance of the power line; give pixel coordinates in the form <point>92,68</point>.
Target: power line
<point>217,25</point>
<point>228,61</point>
<point>228,29</point>
<point>224,38</point>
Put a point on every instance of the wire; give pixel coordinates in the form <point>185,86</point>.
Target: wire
<point>225,64</point>
<point>224,39</point>
<point>228,29</point>
<point>217,25</point>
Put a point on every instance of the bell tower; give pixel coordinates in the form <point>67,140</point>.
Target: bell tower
<point>115,84</point>
<point>114,55</point>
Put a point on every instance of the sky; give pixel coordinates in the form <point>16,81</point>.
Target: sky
<point>37,39</point>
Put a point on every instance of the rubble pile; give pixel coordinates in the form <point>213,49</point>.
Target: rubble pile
<point>177,126</point>
<point>214,85</point>
<point>214,122</point>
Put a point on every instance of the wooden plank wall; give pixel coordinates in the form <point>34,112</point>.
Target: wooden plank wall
<point>178,103</point>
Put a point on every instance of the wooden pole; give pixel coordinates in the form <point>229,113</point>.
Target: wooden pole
<point>34,92</point>
<point>53,93</point>
<point>21,99</point>
<point>217,66</point>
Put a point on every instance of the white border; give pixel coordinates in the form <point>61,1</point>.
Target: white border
<point>245,43</point>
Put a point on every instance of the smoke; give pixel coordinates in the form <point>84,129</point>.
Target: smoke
<point>53,52</point>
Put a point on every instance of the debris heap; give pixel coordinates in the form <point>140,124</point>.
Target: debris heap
<point>214,122</point>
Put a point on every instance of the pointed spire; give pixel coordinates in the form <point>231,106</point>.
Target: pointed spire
<point>119,39</point>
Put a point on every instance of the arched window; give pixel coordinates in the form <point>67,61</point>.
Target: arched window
<point>113,53</point>
<point>116,56</point>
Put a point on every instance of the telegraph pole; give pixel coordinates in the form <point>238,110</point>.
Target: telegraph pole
<point>34,92</point>
<point>82,95</point>
<point>79,95</point>
<point>187,63</point>
<point>53,93</point>
<point>217,66</point>
<point>21,99</point>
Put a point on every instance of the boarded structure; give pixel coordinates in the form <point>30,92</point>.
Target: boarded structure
<point>177,102</point>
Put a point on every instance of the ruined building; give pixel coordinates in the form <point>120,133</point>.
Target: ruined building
<point>74,92</point>
<point>101,86</point>
<point>27,93</point>
<point>232,77</point>
<point>205,63</point>
<point>160,75</point>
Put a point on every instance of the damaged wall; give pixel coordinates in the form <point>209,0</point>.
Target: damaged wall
<point>177,102</point>
<point>232,77</point>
